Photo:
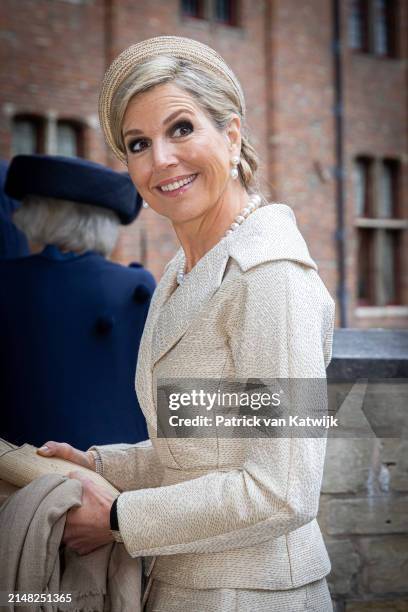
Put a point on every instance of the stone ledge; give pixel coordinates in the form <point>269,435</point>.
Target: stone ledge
<point>369,353</point>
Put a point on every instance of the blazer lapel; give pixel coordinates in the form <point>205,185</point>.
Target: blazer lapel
<point>178,310</point>
<point>269,234</point>
<point>143,379</point>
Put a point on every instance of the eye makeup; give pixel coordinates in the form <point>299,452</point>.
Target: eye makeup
<point>136,145</point>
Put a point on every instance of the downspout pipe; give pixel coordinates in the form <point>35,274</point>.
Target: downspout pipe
<point>339,174</point>
<point>109,16</point>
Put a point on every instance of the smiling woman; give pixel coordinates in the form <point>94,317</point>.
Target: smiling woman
<point>230,524</point>
<point>186,159</point>
<point>180,128</point>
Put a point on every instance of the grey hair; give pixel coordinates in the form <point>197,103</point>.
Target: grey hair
<point>69,225</point>
<point>214,94</point>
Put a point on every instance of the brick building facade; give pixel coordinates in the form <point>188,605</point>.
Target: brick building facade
<point>300,102</point>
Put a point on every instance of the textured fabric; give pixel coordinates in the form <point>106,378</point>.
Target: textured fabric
<point>231,513</point>
<point>6,489</point>
<point>20,465</point>
<point>313,597</point>
<point>32,522</point>
<point>131,466</point>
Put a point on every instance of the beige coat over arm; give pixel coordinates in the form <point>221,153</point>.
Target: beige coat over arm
<point>230,513</point>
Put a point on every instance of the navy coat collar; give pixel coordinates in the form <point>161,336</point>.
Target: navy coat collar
<point>53,252</point>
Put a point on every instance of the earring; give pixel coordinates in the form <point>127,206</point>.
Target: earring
<point>145,204</point>
<point>234,170</point>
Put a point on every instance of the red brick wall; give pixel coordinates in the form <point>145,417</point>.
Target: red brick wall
<point>301,138</point>
<point>52,56</point>
<point>376,102</point>
<point>55,53</point>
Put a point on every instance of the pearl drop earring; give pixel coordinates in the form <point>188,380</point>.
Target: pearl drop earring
<point>145,204</point>
<point>234,170</point>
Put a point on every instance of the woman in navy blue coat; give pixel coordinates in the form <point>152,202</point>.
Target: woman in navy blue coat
<point>70,319</point>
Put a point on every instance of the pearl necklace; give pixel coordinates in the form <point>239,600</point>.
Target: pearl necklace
<point>253,203</point>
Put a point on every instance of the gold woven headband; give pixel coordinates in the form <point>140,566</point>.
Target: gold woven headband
<point>173,46</point>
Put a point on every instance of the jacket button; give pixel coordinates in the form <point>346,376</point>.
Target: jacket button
<point>141,294</point>
<point>104,324</point>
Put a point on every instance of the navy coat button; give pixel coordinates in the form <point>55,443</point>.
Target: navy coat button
<point>104,324</point>
<point>141,294</point>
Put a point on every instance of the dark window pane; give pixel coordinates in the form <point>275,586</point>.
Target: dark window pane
<point>388,267</point>
<point>25,136</point>
<point>192,8</point>
<point>67,139</point>
<point>365,265</point>
<point>383,26</point>
<point>362,186</point>
<point>225,11</point>
<point>387,202</point>
<point>358,25</point>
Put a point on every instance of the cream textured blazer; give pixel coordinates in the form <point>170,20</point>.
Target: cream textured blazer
<point>230,513</point>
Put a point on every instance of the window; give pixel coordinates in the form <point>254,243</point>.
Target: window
<point>225,11</point>
<point>388,265</point>
<point>372,26</point>
<point>358,22</point>
<point>27,135</point>
<point>220,11</point>
<point>379,231</point>
<point>362,186</point>
<point>365,266</point>
<point>69,139</point>
<point>384,12</point>
<point>387,202</point>
<point>193,8</point>
<point>31,134</point>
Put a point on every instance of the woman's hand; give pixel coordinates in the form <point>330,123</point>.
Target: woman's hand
<point>88,527</point>
<point>68,452</point>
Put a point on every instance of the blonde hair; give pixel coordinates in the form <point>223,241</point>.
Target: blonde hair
<point>214,94</point>
<point>68,225</point>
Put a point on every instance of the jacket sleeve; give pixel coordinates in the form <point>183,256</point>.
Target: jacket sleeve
<point>130,466</point>
<point>278,326</point>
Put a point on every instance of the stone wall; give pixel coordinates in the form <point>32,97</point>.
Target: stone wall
<point>364,503</point>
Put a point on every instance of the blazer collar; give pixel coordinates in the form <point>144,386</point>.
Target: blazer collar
<point>270,233</point>
<point>178,305</point>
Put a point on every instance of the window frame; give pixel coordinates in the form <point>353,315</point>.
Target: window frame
<point>234,14</point>
<point>201,13</point>
<point>79,129</point>
<point>391,11</point>
<point>364,5</point>
<point>207,12</point>
<point>372,222</point>
<point>370,19</point>
<point>39,122</point>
